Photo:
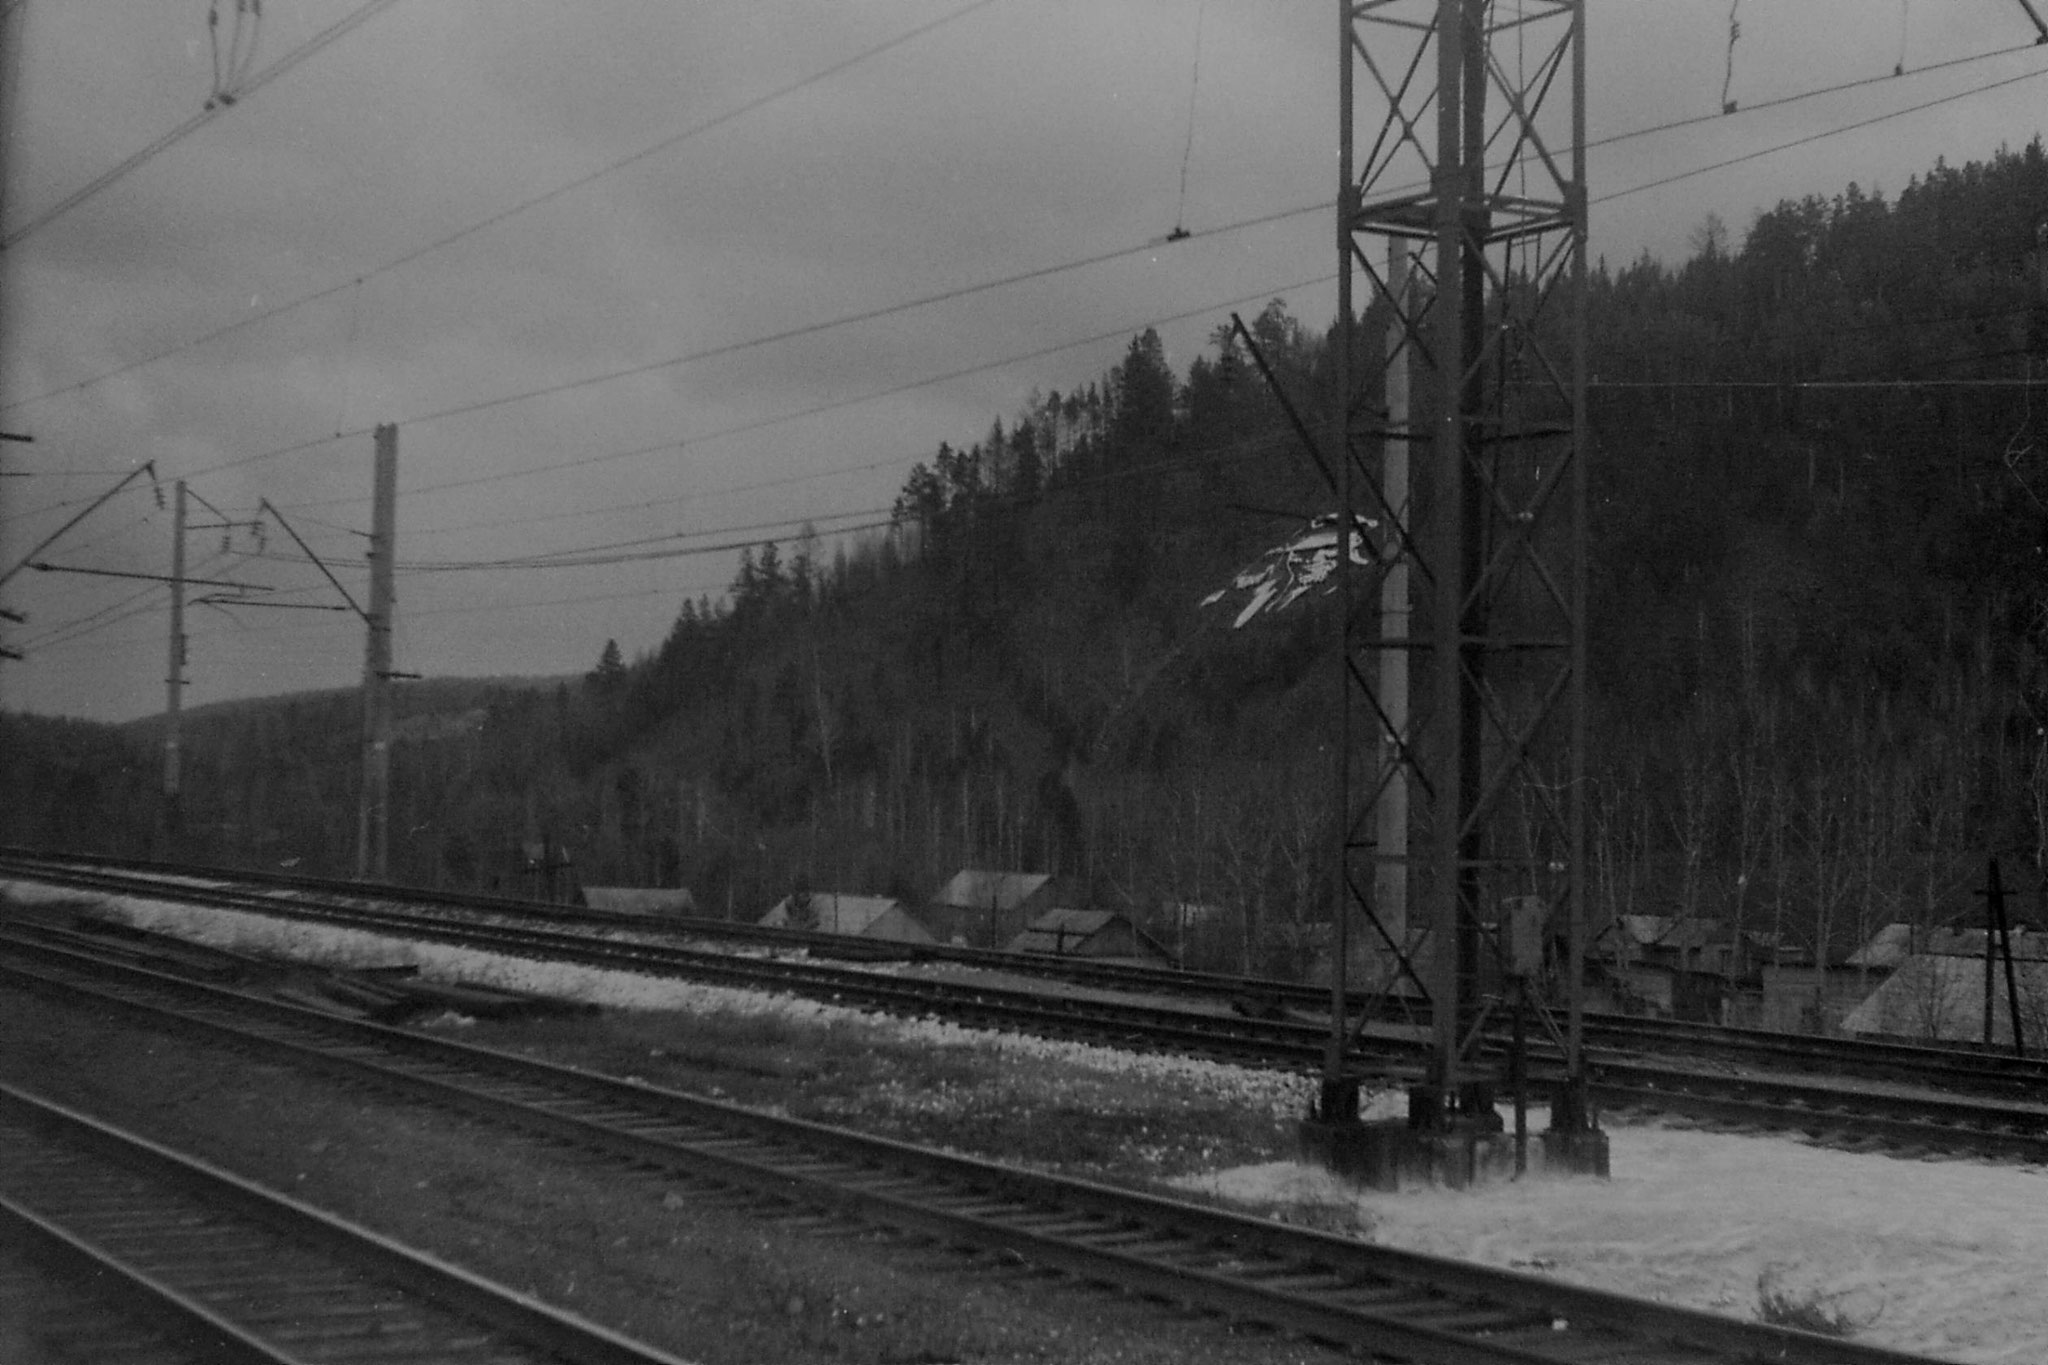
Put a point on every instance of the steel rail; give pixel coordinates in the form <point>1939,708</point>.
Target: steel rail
<point>185,1324</point>
<point>1966,1069</point>
<point>195,1232</point>
<point>1927,1123</point>
<point>1397,1304</point>
<point>1222,1035</point>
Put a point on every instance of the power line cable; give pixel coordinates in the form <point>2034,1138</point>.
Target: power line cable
<point>1820,136</point>
<point>492,220</point>
<point>214,108</point>
<point>814,410</point>
<point>735,347</point>
<point>754,343</point>
<point>1018,277</point>
<point>943,296</point>
<point>137,603</point>
<point>470,230</point>
<point>633,551</point>
<point>1801,96</point>
<point>274,629</point>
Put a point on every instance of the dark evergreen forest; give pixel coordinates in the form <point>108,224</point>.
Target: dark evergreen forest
<point>1818,620</point>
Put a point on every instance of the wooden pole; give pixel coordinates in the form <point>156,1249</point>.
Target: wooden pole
<point>1990,948</point>
<point>1996,896</point>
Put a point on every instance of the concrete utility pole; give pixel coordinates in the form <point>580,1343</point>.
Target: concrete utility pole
<point>1390,873</point>
<point>373,825</point>
<point>174,672</point>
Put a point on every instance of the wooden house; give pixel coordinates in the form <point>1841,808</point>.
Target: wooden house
<point>1938,990</point>
<point>834,912</point>
<point>988,908</point>
<point>1100,934</point>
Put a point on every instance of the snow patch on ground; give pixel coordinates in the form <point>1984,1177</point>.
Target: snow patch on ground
<point>1283,1096</point>
<point>1940,1258</point>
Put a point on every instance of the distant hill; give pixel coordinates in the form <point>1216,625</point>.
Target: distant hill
<point>1817,672</point>
<point>413,698</point>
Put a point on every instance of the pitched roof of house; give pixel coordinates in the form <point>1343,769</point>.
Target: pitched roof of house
<point>972,889</point>
<point>1888,947</point>
<point>2026,945</point>
<point>1938,996</point>
<point>835,912</point>
<point>1064,931</point>
<point>1666,931</point>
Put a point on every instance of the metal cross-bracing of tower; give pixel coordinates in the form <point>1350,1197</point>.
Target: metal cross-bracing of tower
<point>1460,421</point>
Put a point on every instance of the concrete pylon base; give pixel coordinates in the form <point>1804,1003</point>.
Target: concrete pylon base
<point>1575,1151</point>
<point>1390,1155</point>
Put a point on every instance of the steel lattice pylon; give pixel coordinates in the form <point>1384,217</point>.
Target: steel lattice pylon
<point>1469,801</point>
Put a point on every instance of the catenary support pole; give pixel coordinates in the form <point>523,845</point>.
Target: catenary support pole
<point>174,674</point>
<point>1448,549</point>
<point>1390,878</point>
<point>1340,1097</point>
<point>373,825</point>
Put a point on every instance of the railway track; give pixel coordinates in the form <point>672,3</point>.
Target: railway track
<point>1389,1304</point>
<point>1961,1070</point>
<point>187,1262</point>
<point>1895,1107</point>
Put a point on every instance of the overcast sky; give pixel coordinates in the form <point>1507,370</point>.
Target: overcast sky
<point>374,177</point>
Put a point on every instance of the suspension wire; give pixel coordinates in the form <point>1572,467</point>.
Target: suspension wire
<point>1187,151</point>
<point>276,310</point>
<point>231,66</point>
<point>1040,272</point>
<point>316,43</point>
<point>449,239</point>
<point>1820,136</point>
<point>1728,80</point>
<point>213,50</point>
<point>355,307</point>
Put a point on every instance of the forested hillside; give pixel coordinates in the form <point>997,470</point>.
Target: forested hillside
<point>1821,502</point>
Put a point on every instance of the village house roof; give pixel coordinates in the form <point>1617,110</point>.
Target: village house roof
<point>1188,914</point>
<point>833,912</point>
<point>641,900</point>
<point>1887,948</point>
<point>1941,996</point>
<point>1660,931</point>
<point>1088,933</point>
<point>2029,946</point>
<point>971,889</point>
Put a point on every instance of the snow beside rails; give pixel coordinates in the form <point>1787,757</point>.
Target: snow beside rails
<point>1283,1096</point>
<point>1941,1258</point>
